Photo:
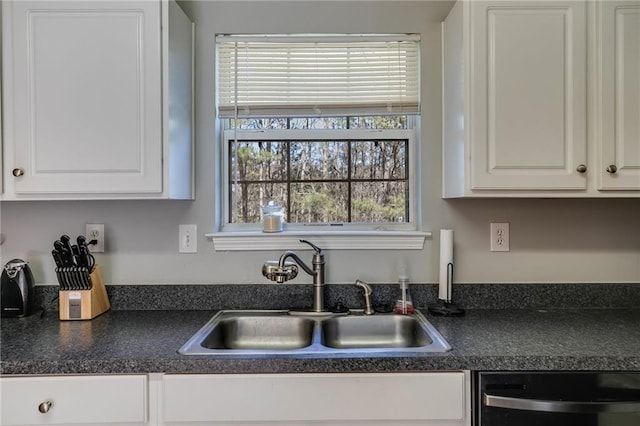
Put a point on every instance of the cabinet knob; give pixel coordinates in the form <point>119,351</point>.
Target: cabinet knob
<point>44,407</point>
<point>612,169</point>
<point>581,168</point>
<point>17,172</point>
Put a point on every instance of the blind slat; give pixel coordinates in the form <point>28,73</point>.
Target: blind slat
<point>339,76</point>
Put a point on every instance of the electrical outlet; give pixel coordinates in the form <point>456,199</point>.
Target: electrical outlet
<point>188,239</point>
<point>95,231</point>
<point>500,236</point>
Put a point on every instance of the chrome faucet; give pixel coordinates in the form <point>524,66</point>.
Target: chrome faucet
<point>368,309</point>
<point>284,270</point>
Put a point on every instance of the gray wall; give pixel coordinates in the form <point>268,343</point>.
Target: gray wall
<point>564,240</point>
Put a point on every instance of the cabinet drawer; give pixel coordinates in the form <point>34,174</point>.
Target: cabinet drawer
<point>74,400</point>
<point>314,397</point>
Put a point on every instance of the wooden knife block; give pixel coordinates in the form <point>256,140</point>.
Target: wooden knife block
<point>85,304</point>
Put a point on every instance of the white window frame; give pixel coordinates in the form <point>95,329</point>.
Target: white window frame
<point>375,236</point>
<point>243,236</point>
<point>319,135</point>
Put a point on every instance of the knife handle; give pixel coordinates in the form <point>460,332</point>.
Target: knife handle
<point>57,258</point>
<point>81,240</point>
<point>83,252</point>
<point>65,255</point>
<point>69,254</point>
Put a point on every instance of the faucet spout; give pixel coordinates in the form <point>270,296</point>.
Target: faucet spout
<point>294,256</point>
<point>281,273</point>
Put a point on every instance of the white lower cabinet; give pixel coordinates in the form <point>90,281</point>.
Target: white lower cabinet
<point>322,399</point>
<point>431,399</point>
<point>74,400</point>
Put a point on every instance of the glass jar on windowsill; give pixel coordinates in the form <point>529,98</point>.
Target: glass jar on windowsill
<point>272,218</point>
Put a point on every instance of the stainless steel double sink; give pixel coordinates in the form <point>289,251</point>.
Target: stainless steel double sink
<point>276,333</point>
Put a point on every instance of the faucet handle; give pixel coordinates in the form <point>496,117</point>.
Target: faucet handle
<point>315,247</point>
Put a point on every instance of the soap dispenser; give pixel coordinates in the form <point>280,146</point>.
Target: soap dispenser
<point>404,304</point>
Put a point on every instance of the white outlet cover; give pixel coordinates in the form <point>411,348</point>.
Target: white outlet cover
<point>500,236</point>
<point>95,231</point>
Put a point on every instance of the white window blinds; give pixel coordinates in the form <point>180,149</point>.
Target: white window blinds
<point>289,76</point>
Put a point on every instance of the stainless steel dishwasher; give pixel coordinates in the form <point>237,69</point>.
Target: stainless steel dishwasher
<point>556,399</point>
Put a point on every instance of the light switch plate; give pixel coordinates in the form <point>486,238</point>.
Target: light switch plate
<point>188,239</point>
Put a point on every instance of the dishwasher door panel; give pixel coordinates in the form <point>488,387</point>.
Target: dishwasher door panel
<point>557,399</point>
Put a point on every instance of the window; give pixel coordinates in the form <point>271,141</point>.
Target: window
<point>337,147</point>
<point>355,177</point>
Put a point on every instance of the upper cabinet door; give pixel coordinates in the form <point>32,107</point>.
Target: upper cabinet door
<point>83,85</point>
<point>618,94</point>
<point>528,95</point>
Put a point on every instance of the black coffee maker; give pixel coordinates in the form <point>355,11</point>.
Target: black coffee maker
<point>18,292</point>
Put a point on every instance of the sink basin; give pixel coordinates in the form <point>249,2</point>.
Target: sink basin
<point>278,334</point>
<point>377,331</point>
<point>260,331</point>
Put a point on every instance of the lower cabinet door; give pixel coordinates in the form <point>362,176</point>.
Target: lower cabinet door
<point>73,400</point>
<point>435,398</point>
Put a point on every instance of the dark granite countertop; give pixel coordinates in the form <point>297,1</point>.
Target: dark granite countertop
<point>146,341</point>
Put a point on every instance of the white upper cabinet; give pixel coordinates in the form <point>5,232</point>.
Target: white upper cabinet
<point>528,123</point>
<point>618,94</point>
<point>83,103</point>
<point>516,103</point>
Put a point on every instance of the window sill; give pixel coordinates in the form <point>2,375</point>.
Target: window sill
<point>349,240</point>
